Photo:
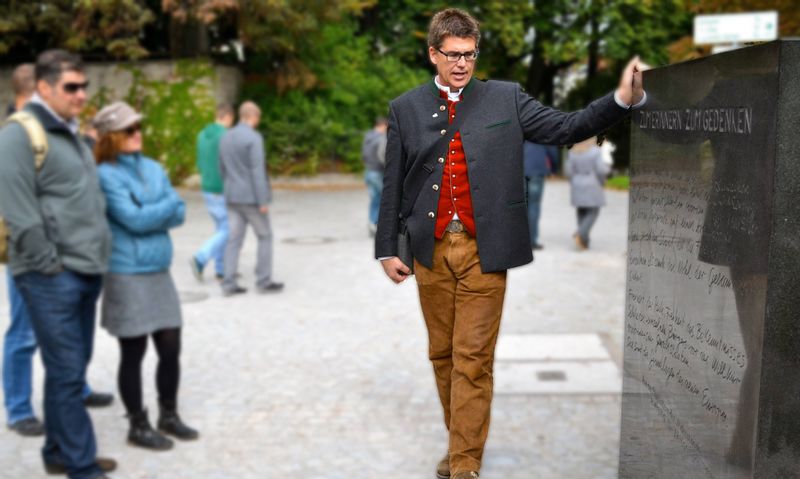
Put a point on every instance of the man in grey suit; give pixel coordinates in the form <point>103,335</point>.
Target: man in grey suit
<point>454,182</point>
<point>247,197</point>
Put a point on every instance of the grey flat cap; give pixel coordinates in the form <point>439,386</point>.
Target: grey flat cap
<point>116,117</point>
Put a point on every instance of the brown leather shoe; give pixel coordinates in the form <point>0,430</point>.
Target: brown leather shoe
<point>105,464</point>
<point>579,242</point>
<point>466,475</point>
<point>443,468</point>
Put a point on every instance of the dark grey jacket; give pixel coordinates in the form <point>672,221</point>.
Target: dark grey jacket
<point>242,164</point>
<point>57,216</point>
<point>500,118</point>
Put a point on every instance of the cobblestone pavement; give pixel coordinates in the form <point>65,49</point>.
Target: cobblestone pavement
<point>330,379</point>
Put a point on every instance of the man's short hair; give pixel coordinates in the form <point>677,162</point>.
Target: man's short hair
<point>249,109</point>
<point>51,64</point>
<point>22,79</point>
<point>223,109</point>
<point>453,22</point>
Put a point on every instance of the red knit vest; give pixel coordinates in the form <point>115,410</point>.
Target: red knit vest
<point>454,196</point>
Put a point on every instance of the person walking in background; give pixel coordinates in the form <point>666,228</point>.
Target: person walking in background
<point>373,154</point>
<point>211,184</point>
<point>247,196</point>
<point>587,174</point>
<point>19,343</point>
<point>23,82</point>
<point>539,162</point>
<point>140,298</point>
<point>459,195</point>
<point>58,249</point>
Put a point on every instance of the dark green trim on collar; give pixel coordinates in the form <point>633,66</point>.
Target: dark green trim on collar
<point>472,81</point>
<point>434,88</point>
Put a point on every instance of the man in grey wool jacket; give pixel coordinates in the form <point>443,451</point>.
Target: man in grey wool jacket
<point>247,197</point>
<point>58,250</point>
<point>454,182</point>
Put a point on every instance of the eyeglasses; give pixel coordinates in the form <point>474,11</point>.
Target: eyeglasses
<point>454,57</point>
<point>73,87</point>
<point>133,129</point>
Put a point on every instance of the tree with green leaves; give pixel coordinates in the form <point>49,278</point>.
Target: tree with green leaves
<point>110,26</point>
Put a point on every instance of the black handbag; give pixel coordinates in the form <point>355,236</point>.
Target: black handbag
<point>404,247</point>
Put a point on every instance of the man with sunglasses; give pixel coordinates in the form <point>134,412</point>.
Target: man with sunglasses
<point>58,249</point>
<point>454,183</point>
<point>19,343</point>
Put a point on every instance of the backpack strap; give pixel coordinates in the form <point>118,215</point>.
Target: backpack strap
<point>40,148</point>
<point>35,133</point>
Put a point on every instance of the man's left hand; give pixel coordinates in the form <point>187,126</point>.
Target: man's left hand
<point>630,90</point>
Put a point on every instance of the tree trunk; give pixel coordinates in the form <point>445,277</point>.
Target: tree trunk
<point>591,70</point>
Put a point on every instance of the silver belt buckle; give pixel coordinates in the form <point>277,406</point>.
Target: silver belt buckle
<point>455,226</point>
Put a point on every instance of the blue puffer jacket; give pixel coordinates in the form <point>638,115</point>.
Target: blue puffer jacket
<point>141,206</point>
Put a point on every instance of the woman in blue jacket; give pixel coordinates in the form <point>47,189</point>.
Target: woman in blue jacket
<point>139,297</point>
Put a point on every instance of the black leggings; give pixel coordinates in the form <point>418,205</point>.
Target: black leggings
<point>129,378</point>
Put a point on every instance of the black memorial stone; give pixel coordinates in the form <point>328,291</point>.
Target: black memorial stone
<point>711,385</point>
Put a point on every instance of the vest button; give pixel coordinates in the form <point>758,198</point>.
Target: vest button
<point>442,108</point>
<point>435,187</point>
<point>443,132</point>
<point>441,160</point>
<point>430,214</point>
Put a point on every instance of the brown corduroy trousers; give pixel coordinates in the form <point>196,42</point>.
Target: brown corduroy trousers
<point>462,308</point>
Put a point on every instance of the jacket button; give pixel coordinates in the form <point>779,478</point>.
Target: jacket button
<point>442,107</point>
<point>443,132</point>
<point>435,187</point>
<point>441,160</point>
<point>430,214</point>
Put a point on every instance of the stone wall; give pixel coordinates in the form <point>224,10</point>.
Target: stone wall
<point>227,84</point>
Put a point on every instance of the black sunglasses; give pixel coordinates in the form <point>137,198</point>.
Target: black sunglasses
<point>131,130</point>
<point>73,87</point>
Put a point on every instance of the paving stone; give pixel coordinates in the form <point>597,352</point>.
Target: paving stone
<point>330,379</point>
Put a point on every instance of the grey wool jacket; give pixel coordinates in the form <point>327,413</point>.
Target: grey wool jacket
<point>243,167</point>
<point>56,216</point>
<point>499,116</point>
<point>587,175</point>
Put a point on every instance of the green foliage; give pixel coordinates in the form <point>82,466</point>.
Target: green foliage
<point>110,26</point>
<point>619,182</point>
<point>175,111</point>
<point>308,130</point>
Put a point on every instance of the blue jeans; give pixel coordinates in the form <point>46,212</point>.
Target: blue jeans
<point>374,180</point>
<point>62,313</point>
<point>214,247</point>
<point>535,187</point>
<point>19,347</point>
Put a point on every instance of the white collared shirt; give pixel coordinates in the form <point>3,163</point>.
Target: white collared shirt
<point>451,95</point>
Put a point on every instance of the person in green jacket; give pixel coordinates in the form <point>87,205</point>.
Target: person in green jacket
<point>211,184</point>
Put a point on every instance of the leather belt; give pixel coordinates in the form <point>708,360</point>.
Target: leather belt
<point>455,226</point>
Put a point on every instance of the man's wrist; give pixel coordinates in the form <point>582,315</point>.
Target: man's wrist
<point>622,104</point>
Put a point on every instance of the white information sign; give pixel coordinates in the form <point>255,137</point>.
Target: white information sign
<point>735,27</point>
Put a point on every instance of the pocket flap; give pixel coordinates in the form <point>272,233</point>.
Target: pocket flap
<point>499,123</point>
